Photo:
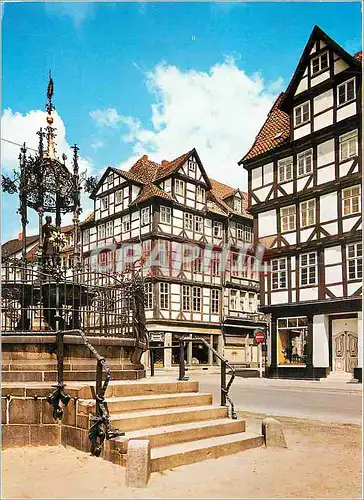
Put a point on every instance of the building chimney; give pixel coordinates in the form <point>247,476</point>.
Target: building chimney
<point>164,163</point>
<point>20,236</point>
<point>145,157</point>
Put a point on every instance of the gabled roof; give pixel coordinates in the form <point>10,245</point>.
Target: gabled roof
<point>150,191</point>
<point>316,35</point>
<point>14,246</point>
<point>275,131</point>
<point>221,192</point>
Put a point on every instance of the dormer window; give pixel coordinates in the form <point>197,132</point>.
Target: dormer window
<point>191,166</point>
<point>237,205</point>
<point>179,187</point>
<point>320,63</point>
<point>302,114</point>
<point>200,194</point>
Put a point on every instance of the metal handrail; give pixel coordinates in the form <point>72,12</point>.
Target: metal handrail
<point>225,387</point>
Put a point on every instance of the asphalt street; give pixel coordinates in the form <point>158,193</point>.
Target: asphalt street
<point>317,401</point>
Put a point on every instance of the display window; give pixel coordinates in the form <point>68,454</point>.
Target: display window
<point>292,341</point>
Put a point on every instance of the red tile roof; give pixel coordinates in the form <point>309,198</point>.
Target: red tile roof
<point>274,132</point>
<point>359,56</point>
<point>151,191</point>
<point>168,168</point>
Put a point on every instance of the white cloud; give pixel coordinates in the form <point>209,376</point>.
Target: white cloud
<point>219,112</point>
<point>19,128</point>
<point>76,12</point>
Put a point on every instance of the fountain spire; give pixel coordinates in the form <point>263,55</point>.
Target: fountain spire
<point>51,151</point>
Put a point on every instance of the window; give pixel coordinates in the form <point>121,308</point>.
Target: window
<point>188,221</point>
<point>248,234</point>
<point>292,340</point>
<point>165,214</point>
<point>320,63</point>
<point>237,204</point>
<point>285,169</point>
<point>302,114</point>
<point>196,299</point>
<point>164,295</point>
<point>126,224</point>
<point>308,213</point>
<point>279,273</point>
<point>239,231</point>
<point>148,296</point>
<point>200,194</point>
<point>351,200</point>
<point>145,216</point>
<point>236,262</point>
<point>191,166</point>
<point>354,254</point>
<point>304,162</point>
<point>186,298</point>
<point>251,302</point>
<point>346,92</point>
<point>233,300</point>
<point>288,218</point>
<point>217,229</point>
<point>197,263</point>
<point>308,268</point>
<point>348,145</point>
<point>198,224</point>
<point>163,253</point>
<point>109,228</point>
<point>179,187</point>
<point>105,203</point>
<point>215,299</point>
<point>118,196</point>
<point>101,231</point>
<point>110,179</point>
<point>215,264</point>
<point>86,236</point>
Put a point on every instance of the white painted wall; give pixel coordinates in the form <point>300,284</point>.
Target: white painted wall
<point>326,153</point>
<point>328,207</point>
<point>267,223</point>
<point>320,355</point>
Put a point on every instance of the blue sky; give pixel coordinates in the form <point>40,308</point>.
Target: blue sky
<point>142,77</point>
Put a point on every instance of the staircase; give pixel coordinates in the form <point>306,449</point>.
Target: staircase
<point>336,376</point>
<point>181,423</point>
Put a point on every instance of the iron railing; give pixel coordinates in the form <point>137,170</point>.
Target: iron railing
<point>224,387</point>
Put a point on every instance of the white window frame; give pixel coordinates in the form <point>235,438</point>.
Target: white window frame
<point>233,300</point>
<point>217,229</point>
<point>192,166</point>
<point>179,187</point>
<point>104,202</point>
<point>237,204</point>
<point>109,228</point>
<point>186,298</point>
<point>196,299</point>
<point>320,59</point>
<point>345,85</point>
<point>351,201</point>
<point>248,234</point>
<point>215,301</point>
<point>198,224</point>
<point>239,231</point>
<point>288,220</point>
<point>200,194</point>
<point>110,178</point>
<point>101,232</point>
<point>354,261</point>
<point>165,215</point>
<point>304,167</point>
<point>251,302</point>
<point>148,298</point>
<point>86,236</point>
<point>348,145</point>
<point>164,295</point>
<point>118,197</point>
<point>126,224</point>
<point>308,269</point>
<point>163,254</point>
<point>145,216</point>
<point>215,264</point>
<point>298,114</point>
<point>279,271</point>
<point>308,213</point>
<point>285,169</point>
<point>188,220</point>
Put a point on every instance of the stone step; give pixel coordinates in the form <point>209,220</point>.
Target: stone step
<point>144,402</point>
<point>149,387</point>
<point>51,366</point>
<point>175,455</point>
<point>72,376</point>
<point>145,419</point>
<point>181,433</point>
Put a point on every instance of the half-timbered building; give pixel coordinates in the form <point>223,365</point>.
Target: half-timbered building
<point>305,195</point>
<point>192,237</point>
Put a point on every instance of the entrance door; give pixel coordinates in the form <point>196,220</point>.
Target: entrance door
<point>344,345</point>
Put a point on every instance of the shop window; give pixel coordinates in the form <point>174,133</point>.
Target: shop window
<point>292,341</point>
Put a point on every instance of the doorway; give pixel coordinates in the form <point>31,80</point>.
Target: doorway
<point>344,345</point>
